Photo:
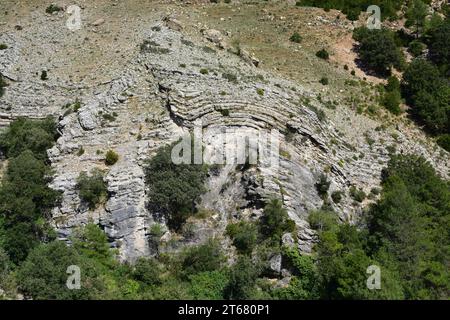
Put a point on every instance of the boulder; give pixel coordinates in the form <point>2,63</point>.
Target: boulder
<point>88,116</point>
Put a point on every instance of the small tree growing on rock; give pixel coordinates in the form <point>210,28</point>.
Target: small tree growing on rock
<point>92,189</point>
<point>111,158</point>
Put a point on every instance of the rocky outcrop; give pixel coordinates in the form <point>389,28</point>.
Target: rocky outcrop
<point>175,85</point>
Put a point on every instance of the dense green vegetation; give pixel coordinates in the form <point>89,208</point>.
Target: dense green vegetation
<point>378,50</point>
<point>353,8</point>
<point>429,95</point>
<point>425,85</point>
<point>92,189</point>
<point>174,188</point>
<point>25,198</point>
<point>405,234</point>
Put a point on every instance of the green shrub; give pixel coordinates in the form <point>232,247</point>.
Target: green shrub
<point>204,71</point>
<point>323,185</point>
<point>444,141</point>
<point>242,279</point>
<point>80,151</point>
<point>324,81</point>
<point>393,84</point>
<point>319,113</point>
<point>174,188</point>
<point>336,196</point>
<point>25,134</point>
<point>203,258</point>
<point>275,221</point>
<point>44,75</point>
<point>3,84</point>
<point>323,220</point>
<point>260,91</point>
<point>296,37</point>
<point>392,100</point>
<point>230,77</point>
<point>244,236</point>
<point>357,194</point>
<point>108,117</point>
<point>92,189</point>
<point>43,275</point>
<point>111,158</point>
<point>3,46</point>
<point>428,93</point>
<point>323,54</point>
<point>416,48</point>
<point>147,271</point>
<point>208,285</point>
<point>378,50</point>
<point>53,8</point>
<point>24,195</point>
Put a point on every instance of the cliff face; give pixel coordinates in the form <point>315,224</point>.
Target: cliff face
<point>169,83</point>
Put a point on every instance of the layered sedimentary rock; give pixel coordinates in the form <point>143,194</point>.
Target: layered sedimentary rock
<point>174,84</point>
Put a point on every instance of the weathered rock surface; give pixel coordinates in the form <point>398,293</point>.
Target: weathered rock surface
<point>156,96</point>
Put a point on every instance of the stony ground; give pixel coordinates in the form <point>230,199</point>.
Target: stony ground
<point>135,98</point>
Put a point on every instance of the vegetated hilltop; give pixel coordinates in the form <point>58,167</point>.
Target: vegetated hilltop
<point>139,76</point>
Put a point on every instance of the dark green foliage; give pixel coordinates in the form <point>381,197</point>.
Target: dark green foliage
<point>357,194</point>
<point>439,45</point>
<point>336,196</point>
<point>296,37</point>
<point>353,8</point>
<point>415,15</point>
<point>25,134</point>
<point>378,50</point>
<point>410,225</point>
<point>244,235</point>
<point>322,220</point>
<point>323,54</point>
<point>111,158</point>
<point>147,271</point>
<point>3,46</point>
<point>91,242</point>
<point>416,48</point>
<point>43,274</point>
<point>25,199</point>
<point>324,81</point>
<point>275,221</point>
<point>323,185</point>
<point>242,279</point>
<point>319,113</point>
<point>53,8</point>
<point>7,277</point>
<point>393,84</point>
<point>92,189</point>
<point>208,285</point>
<point>392,100</point>
<point>44,75</point>
<point>230,77</point>
<point>428,94</point>
<point>174,189</point>
<point>206,257</point>
<point>3,84</point>
<point>303,284</point>
<point>444,141</point>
